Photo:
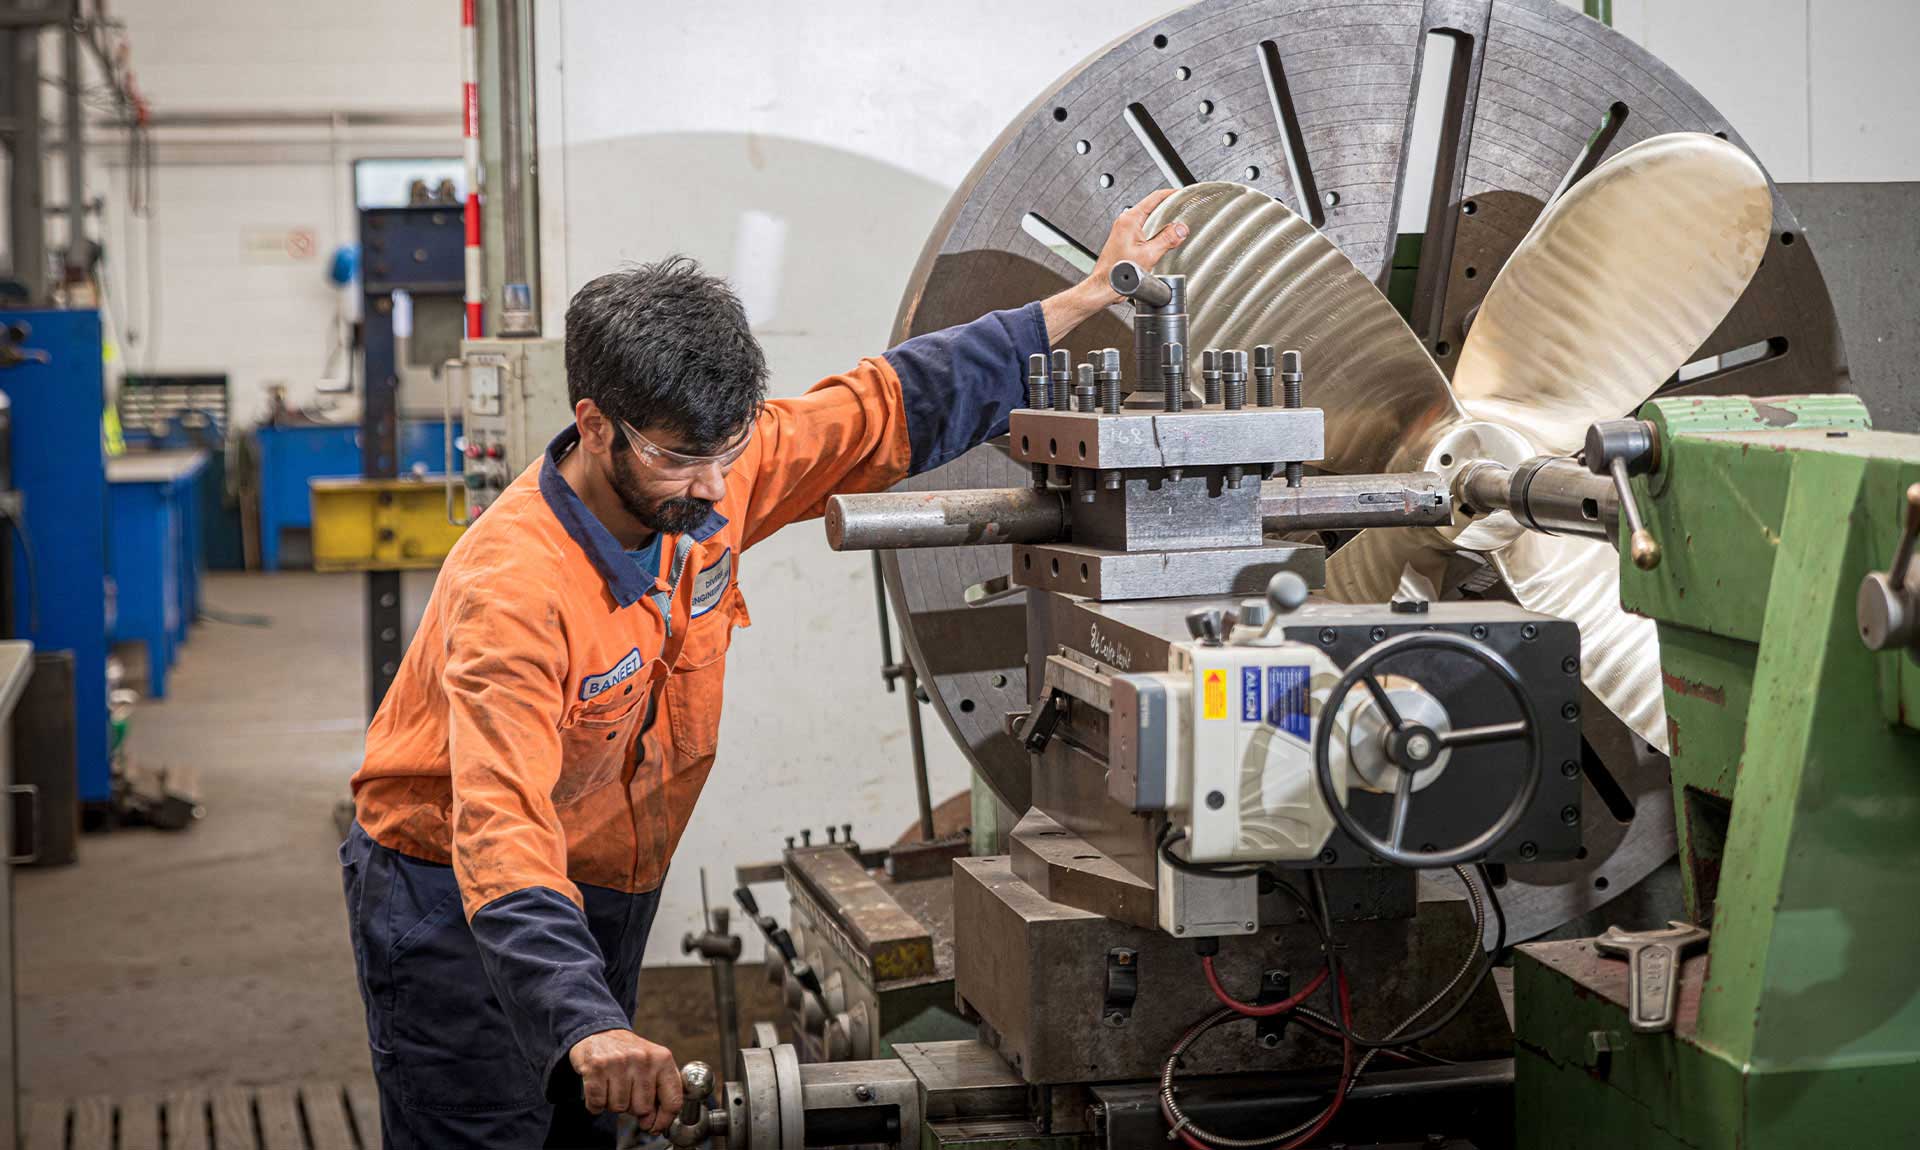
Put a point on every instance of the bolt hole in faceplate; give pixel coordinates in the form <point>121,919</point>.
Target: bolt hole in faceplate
<point>1060,114</point>
<point>1182,72</point>
<point>1106,179</point>
<point>1252,173</point>
<point>966,705</point>
<point>1206,107</point>
<point>1786,238</point>
<point>1083,146</point>
<point>1228,139</point>
<point>1600,883</point>
<point>1159,41</point>
<point>1471,272</point>
<point>1470,207</point>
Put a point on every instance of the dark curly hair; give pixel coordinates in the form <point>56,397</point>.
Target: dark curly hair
<point>666,345</point>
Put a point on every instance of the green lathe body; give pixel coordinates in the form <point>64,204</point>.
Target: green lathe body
<point>1796,786</point>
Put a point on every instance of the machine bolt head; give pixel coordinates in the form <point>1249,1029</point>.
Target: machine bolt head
<point>1377,634</point>
<point>1215,800</point>
<point>1570,768</point>
<point>1270,1040</point>
<point>1327,636</point>
<point>1570,815</point>
<point>1419,747</point>
<point>1479,631</point>
<point>1570,712</point>
<point>1529,851</point>
<point>1529,631</point>
<point>1329,856</point>
<point>863,1092</point>
<point>1570,665</point>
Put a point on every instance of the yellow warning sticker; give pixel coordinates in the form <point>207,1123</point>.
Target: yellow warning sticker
<point>1213,690</point>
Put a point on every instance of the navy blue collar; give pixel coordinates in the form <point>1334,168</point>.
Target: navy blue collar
<point>623,576</point>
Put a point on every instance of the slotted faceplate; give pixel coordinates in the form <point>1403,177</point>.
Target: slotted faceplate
<point>1254,93</point>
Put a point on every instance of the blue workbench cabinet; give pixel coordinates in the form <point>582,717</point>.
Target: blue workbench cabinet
<point>60,467</point>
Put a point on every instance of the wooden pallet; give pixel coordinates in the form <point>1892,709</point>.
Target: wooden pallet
<point>304,1116</point>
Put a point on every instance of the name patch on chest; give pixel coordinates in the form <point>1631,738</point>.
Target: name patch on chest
<point>596,685</point>
<point>711,584</point>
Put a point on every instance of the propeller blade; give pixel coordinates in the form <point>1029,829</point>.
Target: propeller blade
<point>1579,580</point>
<point>1257,273</point>
<point>1377,563</point>
<point>1616,286</point>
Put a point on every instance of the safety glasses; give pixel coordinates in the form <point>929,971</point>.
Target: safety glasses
<point>673,463</point>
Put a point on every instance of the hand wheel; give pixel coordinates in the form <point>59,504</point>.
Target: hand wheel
<point>1414,747</point>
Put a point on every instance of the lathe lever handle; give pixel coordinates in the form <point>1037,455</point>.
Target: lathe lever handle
<point>692,1127</point>
<point>1903,554</point>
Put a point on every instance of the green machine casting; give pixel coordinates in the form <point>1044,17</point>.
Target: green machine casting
<point>1796,784</point>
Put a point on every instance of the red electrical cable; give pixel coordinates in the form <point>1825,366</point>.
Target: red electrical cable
<point>1346,1074</point>
<point>1259,1010</point>
<point>1346,1058</point>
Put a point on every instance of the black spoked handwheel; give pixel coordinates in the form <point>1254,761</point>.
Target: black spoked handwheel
<point>1414,747</point>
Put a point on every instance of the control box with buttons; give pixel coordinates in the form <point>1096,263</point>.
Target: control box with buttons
<point>513,398</point>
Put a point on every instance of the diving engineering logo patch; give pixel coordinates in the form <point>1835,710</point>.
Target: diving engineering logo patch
<point>711,583</point>
<point>596,685</point>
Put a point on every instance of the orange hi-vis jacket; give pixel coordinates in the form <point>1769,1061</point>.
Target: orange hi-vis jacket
<point>557,713</point>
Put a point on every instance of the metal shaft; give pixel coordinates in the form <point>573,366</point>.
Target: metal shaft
<point>984,518</point>
<point>885,520</point>
<point>726,1005</point>
<point>1140,286</point>
<point>1292,384</point>
<point>917,739</point>
<point>1351,502</point>
<point>74,122</point>
<point>1550,494</point>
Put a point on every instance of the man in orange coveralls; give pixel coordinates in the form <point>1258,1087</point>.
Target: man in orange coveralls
<point>532,768</point>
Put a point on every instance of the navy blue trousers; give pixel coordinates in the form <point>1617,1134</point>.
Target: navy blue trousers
<point>449,1070</point>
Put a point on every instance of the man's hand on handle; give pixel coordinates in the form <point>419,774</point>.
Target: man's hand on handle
<point>623,1073</point>
<point>1126,241</point>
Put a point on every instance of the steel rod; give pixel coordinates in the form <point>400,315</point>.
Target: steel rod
<point>898,519</point>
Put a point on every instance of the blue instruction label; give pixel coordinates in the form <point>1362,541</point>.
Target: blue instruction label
<point>1250,708</point>
<point>1287,700</point>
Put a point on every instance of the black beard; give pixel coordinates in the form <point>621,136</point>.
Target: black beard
<point>667,516</point>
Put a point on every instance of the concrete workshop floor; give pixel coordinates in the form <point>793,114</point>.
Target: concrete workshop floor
<point>219,955</point>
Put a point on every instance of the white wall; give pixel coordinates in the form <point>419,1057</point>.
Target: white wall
<point>1823,90</point>
<point>218,298</point>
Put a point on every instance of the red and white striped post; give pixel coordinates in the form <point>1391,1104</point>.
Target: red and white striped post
<point>470,126</point>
